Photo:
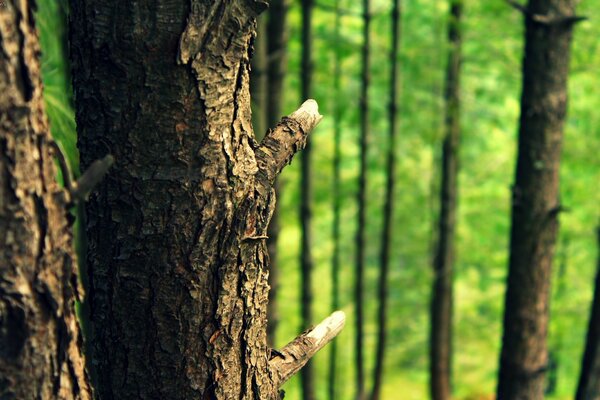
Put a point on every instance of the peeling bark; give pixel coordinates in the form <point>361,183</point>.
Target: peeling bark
<point>40,341</point>
<point>177,230</point>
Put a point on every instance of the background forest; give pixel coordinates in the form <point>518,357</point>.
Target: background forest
<point>491,80</point>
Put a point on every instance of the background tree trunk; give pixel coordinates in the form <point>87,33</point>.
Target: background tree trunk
<point>589,379</point>
<point>337,199</point>
<point>535,203</point>
<point>388,213</point>
<point>276,67</point>
<point>306,190</point>
<point>362,203</point>
<point>40,341</point>
<point>440,361</point>
<point>177,231</point>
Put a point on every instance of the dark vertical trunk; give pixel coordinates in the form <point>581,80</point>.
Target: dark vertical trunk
<point>388,212</point>
<point>535,202</point>
<point>177,231</point>
<point>40,342</point>
<point>337,200</point>
<point>276,66</point>
<point>441,302</point>
<point>362,203</point>
<point>307,375</point>
<point>589,379</point>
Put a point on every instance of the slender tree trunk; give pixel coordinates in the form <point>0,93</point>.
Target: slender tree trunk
<point>40,341</point>
<point>177,231</point>
<point>442,299</point>
<point>535,203</point>
<point>388,213</point>
<point>362,203</point>
<point>589,379</point>
<point>276,67</point>
<point>306,260</point>
<point>337,200</point>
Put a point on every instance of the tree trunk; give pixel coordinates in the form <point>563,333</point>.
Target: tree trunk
<point>337,206</point>
<point>362,203</point>
<point>589,379</point>
<point>306,190</point>
<point>388,213</point>
<point>177,231</point>
<point>40,341</point>
<point>276,67</point>
<point>535,202</point>
<point>442,299</point>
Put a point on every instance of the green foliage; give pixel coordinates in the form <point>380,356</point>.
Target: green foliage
<point>491,80</point>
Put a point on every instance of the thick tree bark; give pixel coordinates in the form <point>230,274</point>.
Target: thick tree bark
<point>177,231</point>
<point>388,213</point>
<point>535,203</point>
<point>276,67</point>
<point>306,259</point>
<point>442,298</point>
<point>362,204</point>
<point>589,379</point>
<point>40,341</point>
<point>337,199</point>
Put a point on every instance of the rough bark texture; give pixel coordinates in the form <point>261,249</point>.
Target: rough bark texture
<point>258,78</point>
<point>442,299</point>
<point>337,198</point>
<point>306,190</point>
<point>40,342</point>
<point>276,67</point>
<point>388,212</point>
<point>177,231</point>
<point>589,379</point>
<point>535,203</point>
<point>362,204</point>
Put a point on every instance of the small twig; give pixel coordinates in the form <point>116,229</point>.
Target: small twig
<point>63,164</point>
<point>296,354</point>
<point>91,177</point>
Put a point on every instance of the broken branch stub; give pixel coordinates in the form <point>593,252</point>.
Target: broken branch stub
<point>288,137</point>
<point>290,359</point>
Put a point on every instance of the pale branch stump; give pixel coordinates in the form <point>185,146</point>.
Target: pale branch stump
<point>296,354</point>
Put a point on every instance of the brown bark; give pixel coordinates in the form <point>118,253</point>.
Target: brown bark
<point>362,204</point>
<point>276,67</point>
<point>306,190</point>
<point>589,379</point>
<point>40,341</point>
<point>535,202</point>
<point>258,78</point>
<point>177,231</point>
<point>442,297</point>
<point>337,199</point>
<point>388,212</point>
